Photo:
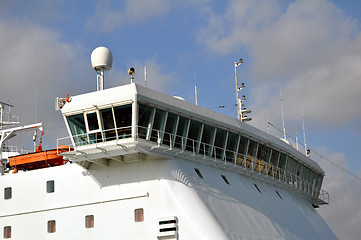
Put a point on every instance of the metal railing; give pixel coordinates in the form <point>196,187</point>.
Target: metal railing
<point>227,156</point>
<point>197,148</point>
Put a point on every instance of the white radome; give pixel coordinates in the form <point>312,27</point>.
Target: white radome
<point>102,58</point>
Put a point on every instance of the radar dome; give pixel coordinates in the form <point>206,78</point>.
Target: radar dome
<point>101,58</point>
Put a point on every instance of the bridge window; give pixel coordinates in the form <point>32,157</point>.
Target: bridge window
<point>170,128</point>
<point>219,143</point>
<point>232,142</point>
<point>282,161</point>
<point>108,125</point>
<point>252,150</point>
<point>281,166</point>
<point>77,128</point>
<point>263,154</point>
<point>92,121</point>
<point>145,121</point>
<point>207,140</point>
<point>93,128</point>
<point>182,131</point>
<point>242,148</point>
<point>158,126</point>
<point>273,163</point>
<point>194,135</point>
<point>123,120</point>
<point>290,170</point>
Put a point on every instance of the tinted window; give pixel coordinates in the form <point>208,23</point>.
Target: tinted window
<point>77,128</point>
<point>145,121</point>
<point>123,120</point>
<point>107,120</point>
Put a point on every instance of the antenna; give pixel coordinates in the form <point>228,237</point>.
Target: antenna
<point>145,76</point>
<point>296,139</point>
<point>241,111</point>
<point>304,134</point>
<point>195,87</point>
<point>267,124</point>
<point>283,117</point>
<point>101,60</point>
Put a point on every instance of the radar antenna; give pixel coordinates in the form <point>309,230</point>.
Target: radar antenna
<point>101,60</point>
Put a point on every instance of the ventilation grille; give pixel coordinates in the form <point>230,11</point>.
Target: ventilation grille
<point>168,228</point>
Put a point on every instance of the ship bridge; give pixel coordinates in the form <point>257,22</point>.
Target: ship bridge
<point>131,123</point>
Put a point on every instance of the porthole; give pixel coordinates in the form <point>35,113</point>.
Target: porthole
<point>7,232</point>
<point>279,194</point>
<point>225,179</point>
<point>50,186</point>
<point>198,173</point>
<point>139,215</point>
<point>51,226</point>
<point>255,185</point>
<point>8,193</point>
<point>89,221</point>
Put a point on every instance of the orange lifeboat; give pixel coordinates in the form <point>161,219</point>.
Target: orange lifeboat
<point>40,159</point>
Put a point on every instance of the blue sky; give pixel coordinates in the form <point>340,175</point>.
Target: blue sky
<point>310,47</point>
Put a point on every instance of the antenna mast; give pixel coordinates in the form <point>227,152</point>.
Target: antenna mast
<point>304,135</point>
<point>283,117</point>
<point>296,139</point>
<point>145,76</point>
<point>241,111</point>
<point>195,87</point>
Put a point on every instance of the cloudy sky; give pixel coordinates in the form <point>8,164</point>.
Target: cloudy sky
<point>311,48</point>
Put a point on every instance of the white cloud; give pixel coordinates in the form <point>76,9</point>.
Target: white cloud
<point>34,60</point>
<point>157,78</point>
<point>109,15</point>
<point>311,45</point>
<point>343,213</point>
<point>314,49</point>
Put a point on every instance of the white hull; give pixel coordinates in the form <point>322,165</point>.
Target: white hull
<point>206,208</point>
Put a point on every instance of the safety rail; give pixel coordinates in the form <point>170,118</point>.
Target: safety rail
<point>70,143</point>
<point>206,151</point>
<point>226,156</point>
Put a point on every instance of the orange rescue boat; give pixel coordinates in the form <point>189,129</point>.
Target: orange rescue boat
<point>39,159</point>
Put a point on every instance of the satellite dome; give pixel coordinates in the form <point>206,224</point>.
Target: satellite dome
<point>101,58</point>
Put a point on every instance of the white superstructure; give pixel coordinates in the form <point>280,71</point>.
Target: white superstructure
<point>145,165</point>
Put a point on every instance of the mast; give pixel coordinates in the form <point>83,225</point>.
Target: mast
<point>283,117</point>
<point>241,111</point>
<point>145,76</point>
<point>195,87</point>
<point>304,134</point>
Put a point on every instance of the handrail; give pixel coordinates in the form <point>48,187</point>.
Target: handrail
<point>205,150</point>
<point>242,160</point>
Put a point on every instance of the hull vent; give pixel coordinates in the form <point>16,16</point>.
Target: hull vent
<point>167,228</point>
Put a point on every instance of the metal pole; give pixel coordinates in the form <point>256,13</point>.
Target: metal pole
<point>236,80</point>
